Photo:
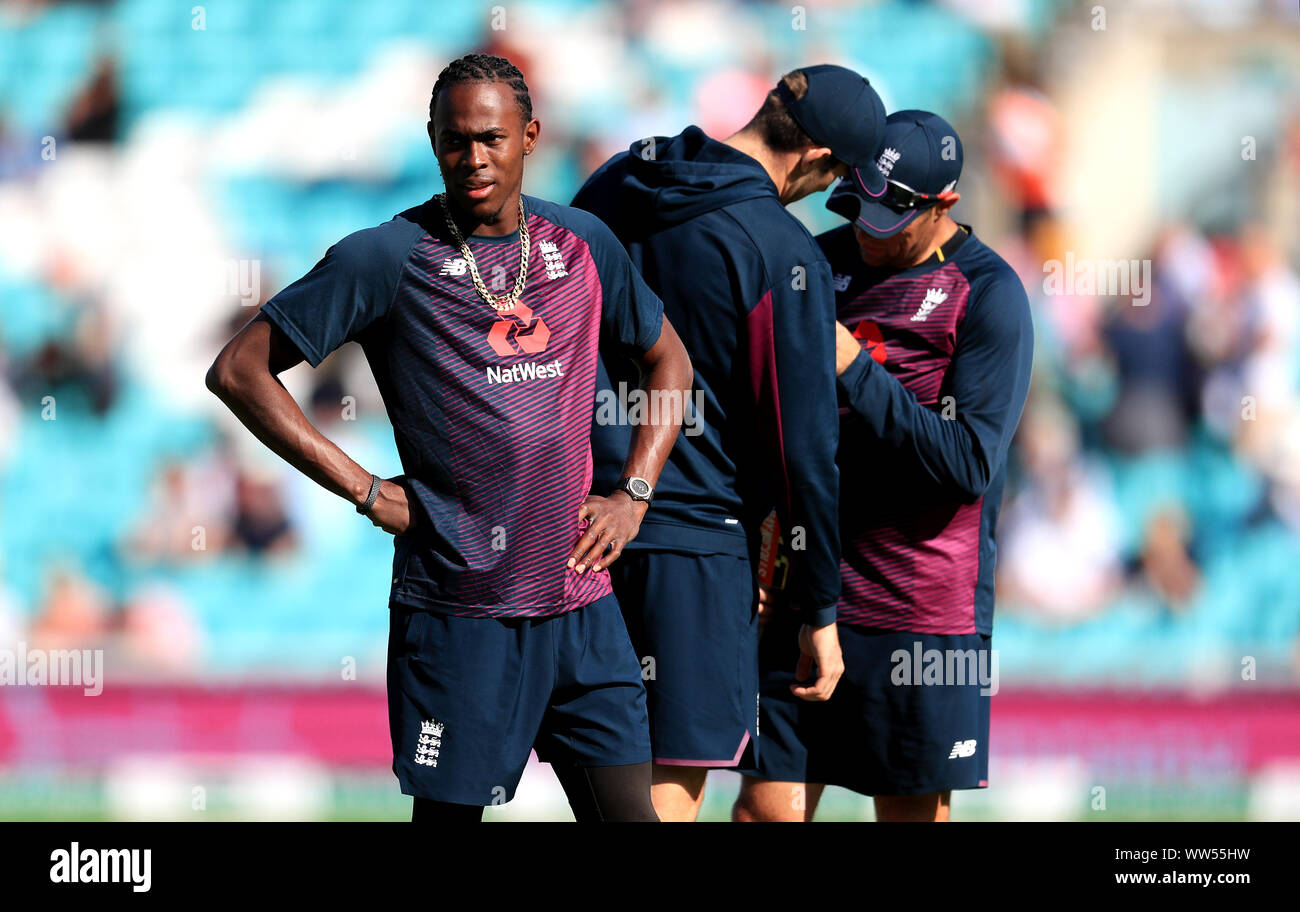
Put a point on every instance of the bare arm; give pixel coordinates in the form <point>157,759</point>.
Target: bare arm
<point>616,519</point>
<point>245,376</point>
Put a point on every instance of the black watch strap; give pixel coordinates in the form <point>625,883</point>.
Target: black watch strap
<point>637,488</point>
<point>375,483</point>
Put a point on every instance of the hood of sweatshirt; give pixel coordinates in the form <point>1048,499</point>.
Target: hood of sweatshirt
<point>687,175</point>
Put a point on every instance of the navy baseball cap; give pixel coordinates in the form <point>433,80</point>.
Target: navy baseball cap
<point>841,111</point>
<point>919,159</point>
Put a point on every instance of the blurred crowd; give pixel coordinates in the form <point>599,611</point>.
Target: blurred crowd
<point>1204,377</point>
<point>1212,361</point>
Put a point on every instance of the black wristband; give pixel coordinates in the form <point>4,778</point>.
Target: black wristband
<point>375,483</point>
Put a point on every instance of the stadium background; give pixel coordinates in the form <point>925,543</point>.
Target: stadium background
<point>167,166</point>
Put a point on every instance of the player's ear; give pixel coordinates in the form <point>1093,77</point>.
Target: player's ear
<point>816,158</point>
<point>947,200</point>
<point>432,142</point>
<point>532,130</point>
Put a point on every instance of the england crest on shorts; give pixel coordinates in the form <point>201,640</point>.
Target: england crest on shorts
<point>430,743</point>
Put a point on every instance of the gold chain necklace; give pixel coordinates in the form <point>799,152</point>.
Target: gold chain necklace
<point>510,300</point>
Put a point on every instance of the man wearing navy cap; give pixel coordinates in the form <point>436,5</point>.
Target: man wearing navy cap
<point>933,354</point>
<point>750,293</point>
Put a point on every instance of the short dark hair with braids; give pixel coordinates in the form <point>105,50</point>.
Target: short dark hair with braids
<point>483,68</point>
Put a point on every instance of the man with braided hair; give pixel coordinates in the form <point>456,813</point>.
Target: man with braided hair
<point>480,313</point>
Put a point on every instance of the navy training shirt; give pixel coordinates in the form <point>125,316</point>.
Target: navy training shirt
<point>491,411</point>
<point>930,407</point>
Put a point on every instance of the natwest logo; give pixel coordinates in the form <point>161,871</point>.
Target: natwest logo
<point>533,370</point>
<point>872,340</point>
<point>518,332</point>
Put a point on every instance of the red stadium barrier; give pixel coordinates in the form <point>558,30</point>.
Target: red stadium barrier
<point>1162,734</point>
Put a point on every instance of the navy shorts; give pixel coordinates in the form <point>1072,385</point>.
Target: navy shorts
<point>469,698</point>
<point>907,717</point>
<point>693,621</point>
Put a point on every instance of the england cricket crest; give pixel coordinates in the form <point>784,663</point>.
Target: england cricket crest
<point>430,743</point>
<point>552,260</point>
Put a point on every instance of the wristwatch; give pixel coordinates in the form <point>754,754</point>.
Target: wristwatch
<point>637,488</point>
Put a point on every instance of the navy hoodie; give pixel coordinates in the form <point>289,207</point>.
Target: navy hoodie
<point>749,292</point>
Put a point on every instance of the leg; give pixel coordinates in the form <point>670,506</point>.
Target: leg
<point>766,801</point>
<point>595,733</point>
<point>919,742</point>
<point>426,810</point>
<point>692,621</point>
<point>608,794</point>
<point>678,792</point>
<point>933,808</point>
<point>456,742</point>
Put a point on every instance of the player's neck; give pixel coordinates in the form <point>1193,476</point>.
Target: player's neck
<point>774,163</point>
<point>942,235</point>
<point>506,223</point>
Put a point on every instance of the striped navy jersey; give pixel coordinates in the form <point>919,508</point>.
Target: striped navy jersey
<point>492,412</point>
<point>927,413</point>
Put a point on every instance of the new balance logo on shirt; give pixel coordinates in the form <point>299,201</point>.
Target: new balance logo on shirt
<point>552,259</point>
<point>933,298</point>
<point>842,281</point>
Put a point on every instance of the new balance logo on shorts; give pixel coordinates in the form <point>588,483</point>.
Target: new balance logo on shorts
<point>429,746</point>
<point>962,749</point>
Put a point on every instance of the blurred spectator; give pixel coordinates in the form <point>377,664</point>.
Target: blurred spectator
<point>329,403</point>
<point>1166,564</point>
<point>1219,332</point>
<point>1250,331</point>
<point>1070,322</point>
<point>159,631</point>
<point>80,359</point>
<point>261,524</point>
<point>73,615</point>
<point>93,115</point>
<point>1060,555</point>
<point>187,517</point>
<point>1025,130</point>
<point>1185,260</point>
<point>58,366</point>
<point>1156,374</point>
<point>1272,300</point>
